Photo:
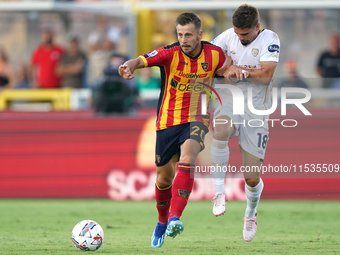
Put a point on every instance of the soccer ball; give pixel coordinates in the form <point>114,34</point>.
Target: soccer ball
<point>87,235</point>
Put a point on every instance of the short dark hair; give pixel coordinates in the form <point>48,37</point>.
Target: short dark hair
<point>189,17</point>
<point>245,16</point>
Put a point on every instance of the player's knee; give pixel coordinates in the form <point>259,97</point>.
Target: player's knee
<point>188,158</point>
<point>252,182</point>
<point>222,132</point>
<point>164,181</point>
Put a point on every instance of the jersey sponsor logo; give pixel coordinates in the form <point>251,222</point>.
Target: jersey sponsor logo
<point>154,53</point>
<point>190,87</point>
<point>183,63</point>
<point>191,75</point>
<point>254,52</point>
<point>274,48</point>
<point>184,193</point>
<point>248,66</point>
<point>205,66</point>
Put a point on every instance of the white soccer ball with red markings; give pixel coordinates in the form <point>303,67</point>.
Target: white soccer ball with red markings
<point>87,235</point>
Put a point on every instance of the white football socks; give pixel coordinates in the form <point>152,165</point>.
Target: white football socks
<point>253,198</point>
<point>219,154</point>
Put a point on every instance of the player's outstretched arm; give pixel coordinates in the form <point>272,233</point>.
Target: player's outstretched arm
<point>261,76</point>
<point>127,69</point>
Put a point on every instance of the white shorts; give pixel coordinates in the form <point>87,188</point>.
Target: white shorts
<point>253,133</point>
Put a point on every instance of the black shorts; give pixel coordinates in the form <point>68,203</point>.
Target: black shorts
<point>168,140</point>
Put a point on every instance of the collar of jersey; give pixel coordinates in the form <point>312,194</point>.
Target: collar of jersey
<point>261,31</point>
<point>196,55</point>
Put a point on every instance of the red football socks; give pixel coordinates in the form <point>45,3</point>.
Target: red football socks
<point>163,199</point>
<point>181,189</point>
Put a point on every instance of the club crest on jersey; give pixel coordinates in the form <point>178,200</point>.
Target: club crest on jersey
<point>233,52</point>
<point>273,48</point>
<point>174,83</point>
<point>205,66</point>
<point>184,193</point>
<point>254,52</point>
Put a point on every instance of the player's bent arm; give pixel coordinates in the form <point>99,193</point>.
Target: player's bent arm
<point>263,75</point>
<point>127,69</point>
<point>227,63</point>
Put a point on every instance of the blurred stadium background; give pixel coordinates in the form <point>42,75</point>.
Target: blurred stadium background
<point>55,145</point>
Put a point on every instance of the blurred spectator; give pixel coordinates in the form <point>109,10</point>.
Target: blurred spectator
<point>146,82</point>
<point>329,62</point>
<point>101,42</point>
<point>148,88</point>
<point>22,81</point>
<point>336,84</point>
<point>292,77</point>
<point>7,78</point>
<point>71,64</point>
<point>44,62</point>
<point>112,93</point>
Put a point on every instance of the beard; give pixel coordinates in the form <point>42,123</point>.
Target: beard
<point>245,43</point>
<point>191,49</point>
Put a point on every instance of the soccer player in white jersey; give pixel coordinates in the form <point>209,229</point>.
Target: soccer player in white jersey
<point>257,52</point>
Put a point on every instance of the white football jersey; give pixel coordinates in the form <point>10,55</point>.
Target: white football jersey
<point>265,47</point>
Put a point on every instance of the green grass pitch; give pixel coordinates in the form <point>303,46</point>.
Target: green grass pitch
<point>284,227</point>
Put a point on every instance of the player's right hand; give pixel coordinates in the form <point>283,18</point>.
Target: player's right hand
<point>237,72</point>
<point>125,72</point>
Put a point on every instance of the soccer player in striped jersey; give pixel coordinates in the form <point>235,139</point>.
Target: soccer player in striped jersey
<point>187,69</point>
<point>256,52</point>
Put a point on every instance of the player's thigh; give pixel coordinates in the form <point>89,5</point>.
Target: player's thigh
<point>167,145</point>
<point>167,154</point>
<point>192,141</point>
<point>189,151</point>
<point>253,144</point>
<point>224,123</point>
<point>253,140</point>
<point>166,173</point>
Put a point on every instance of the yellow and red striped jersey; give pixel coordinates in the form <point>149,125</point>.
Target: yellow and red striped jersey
<point>183,80</point>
